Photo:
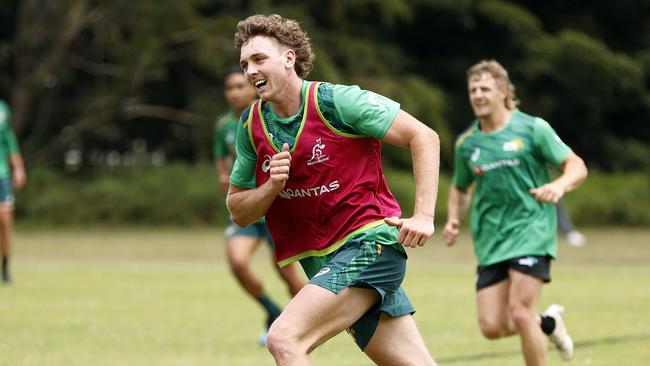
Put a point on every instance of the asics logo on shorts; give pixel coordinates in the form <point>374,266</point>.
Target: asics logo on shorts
<point>322,271</point>
<point>528,261</point>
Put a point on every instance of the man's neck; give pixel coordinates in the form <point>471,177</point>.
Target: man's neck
<point>289,99</point>
<point>496,120</point>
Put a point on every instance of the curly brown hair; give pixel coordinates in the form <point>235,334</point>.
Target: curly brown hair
<point>500,75</point>
<point>286,31</point>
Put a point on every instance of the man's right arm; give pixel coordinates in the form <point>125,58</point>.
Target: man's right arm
<point>249,205</point>
<point>457,207</point>
<point>223,167</point>
<point>459,198</point>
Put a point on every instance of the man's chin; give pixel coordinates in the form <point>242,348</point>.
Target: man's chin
<point>481,114</point>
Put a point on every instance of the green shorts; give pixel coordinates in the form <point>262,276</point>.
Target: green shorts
<point>367,265</point>
<point>257,230</point>
<point>6,193</point>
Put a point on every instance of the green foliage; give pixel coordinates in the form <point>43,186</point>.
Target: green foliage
<point>176,194</point>
<point>96,76</point>
<point>618,199</point>
<point>581,86</point>
<point>183,195</point>
<point>604,199</point>
<point>402,185</point>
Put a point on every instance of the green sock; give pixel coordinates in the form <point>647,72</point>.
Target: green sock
<point>272,310</point>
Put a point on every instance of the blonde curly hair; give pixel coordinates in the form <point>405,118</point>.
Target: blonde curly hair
<point>286,31</point>
<point>500,75</point>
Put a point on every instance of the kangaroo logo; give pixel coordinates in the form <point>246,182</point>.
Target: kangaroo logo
<point>317,153</point>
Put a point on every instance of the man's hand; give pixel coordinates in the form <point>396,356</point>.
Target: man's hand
<point>414,231</point>
<point>19,178</point>
<point>279,168</point>
<point>548,193</point>
<point>451,231</point>
<point>224,180</point>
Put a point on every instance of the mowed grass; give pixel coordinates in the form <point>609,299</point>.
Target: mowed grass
<point>166,297</point>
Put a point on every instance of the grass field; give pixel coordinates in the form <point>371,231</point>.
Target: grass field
<point>166,297</point>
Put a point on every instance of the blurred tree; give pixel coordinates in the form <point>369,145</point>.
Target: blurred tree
<point>100,77</point>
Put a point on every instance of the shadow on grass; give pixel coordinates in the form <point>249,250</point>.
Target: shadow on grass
<point>507,354</point>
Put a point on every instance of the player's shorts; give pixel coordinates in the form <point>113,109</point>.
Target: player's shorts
<point>257,230</point>
<point>6,192</point>
<point>532,265</point>
<point>367,265</point>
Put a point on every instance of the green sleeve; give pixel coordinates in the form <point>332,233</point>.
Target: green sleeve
<point>463,176</point>
<point>552,148</point>
<point>243,170</point>
<point>6,131</point>
<point>219,148</point>
<point>11,142</point>
<point>364,112</point>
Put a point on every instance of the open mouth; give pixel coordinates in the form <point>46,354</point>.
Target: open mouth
<point>259,83</point>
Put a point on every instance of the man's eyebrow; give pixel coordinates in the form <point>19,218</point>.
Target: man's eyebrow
<point>253,55</point>
<point>257,54</point>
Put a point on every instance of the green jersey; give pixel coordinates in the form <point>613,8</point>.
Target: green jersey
<point>225,132</point>
<point>506,220</point>
<point>8,144</point>
<point>223,141</point>
<point>350,110</point>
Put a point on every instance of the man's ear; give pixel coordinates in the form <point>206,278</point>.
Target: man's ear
<point>290,60</point>
<point>504,91</point>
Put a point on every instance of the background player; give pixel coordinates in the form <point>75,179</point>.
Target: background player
<point>506,153</point>
<point>241,242</point>
<point>12,175</point>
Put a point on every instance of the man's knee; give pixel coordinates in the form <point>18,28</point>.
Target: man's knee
<point>238,264</point>
<point>283,343</point>
<point>521,316</point>
<point>492,329</point>
<point>5,219</point>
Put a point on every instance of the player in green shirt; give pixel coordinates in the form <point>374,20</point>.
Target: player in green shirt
<point>12,174</point>
<point>241,242</point>
<point>506,154</point>
<point>364,295</point>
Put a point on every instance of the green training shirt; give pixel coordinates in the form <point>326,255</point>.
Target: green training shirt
<point>225,133</point>
<point>349,109</point>
<point>224,138</point>
<point>8,144</point>
<point>506,220</point>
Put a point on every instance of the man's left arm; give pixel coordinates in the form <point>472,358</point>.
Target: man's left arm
<point>407,131</point>
<point>556,152</point>
<point>574,172</point>
<point>18,175</point>
<point>223,166</point>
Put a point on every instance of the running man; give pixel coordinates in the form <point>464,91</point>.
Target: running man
<point>241,242</point>
<point>12,174</point>
<point>309,158</point>
<point>506,153</point>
